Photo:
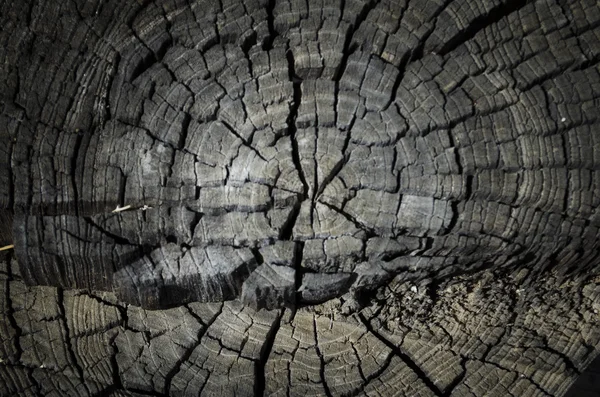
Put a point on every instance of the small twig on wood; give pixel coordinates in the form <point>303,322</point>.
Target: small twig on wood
<point>7,247</point>
<point>119,209</point>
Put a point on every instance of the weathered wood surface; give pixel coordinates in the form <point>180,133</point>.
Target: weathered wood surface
<point>409,188</point>
<point>488,334</point>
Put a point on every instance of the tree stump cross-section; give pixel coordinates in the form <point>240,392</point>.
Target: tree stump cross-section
<point>274,197</point>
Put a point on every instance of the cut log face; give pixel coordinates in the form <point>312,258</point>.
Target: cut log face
<point>189,140</point>
<point>317,197</point>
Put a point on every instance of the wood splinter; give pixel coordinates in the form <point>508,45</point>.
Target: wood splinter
<point>128,207</point>
<point>121,209</point>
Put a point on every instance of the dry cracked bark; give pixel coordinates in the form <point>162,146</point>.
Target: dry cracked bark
<point>332,198</point>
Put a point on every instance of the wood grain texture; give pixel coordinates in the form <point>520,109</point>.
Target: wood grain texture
<point>354,197</point>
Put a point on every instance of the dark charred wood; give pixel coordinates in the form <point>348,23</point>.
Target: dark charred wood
<point>348,197</point>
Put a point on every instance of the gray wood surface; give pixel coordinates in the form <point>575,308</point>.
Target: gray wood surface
<point>299,197</point>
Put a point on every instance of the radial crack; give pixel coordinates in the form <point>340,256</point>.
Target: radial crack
<point>480,23</point>
<point>405,358</point>
<point>321,359</point>
<point>265,352</point>
<point>347,51</point>
<point>187,354</point>
<point>69,346</point>
<point>11,313</point>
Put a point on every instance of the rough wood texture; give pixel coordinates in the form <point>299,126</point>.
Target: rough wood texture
<point>487,334</point>
<point>409,188</point>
